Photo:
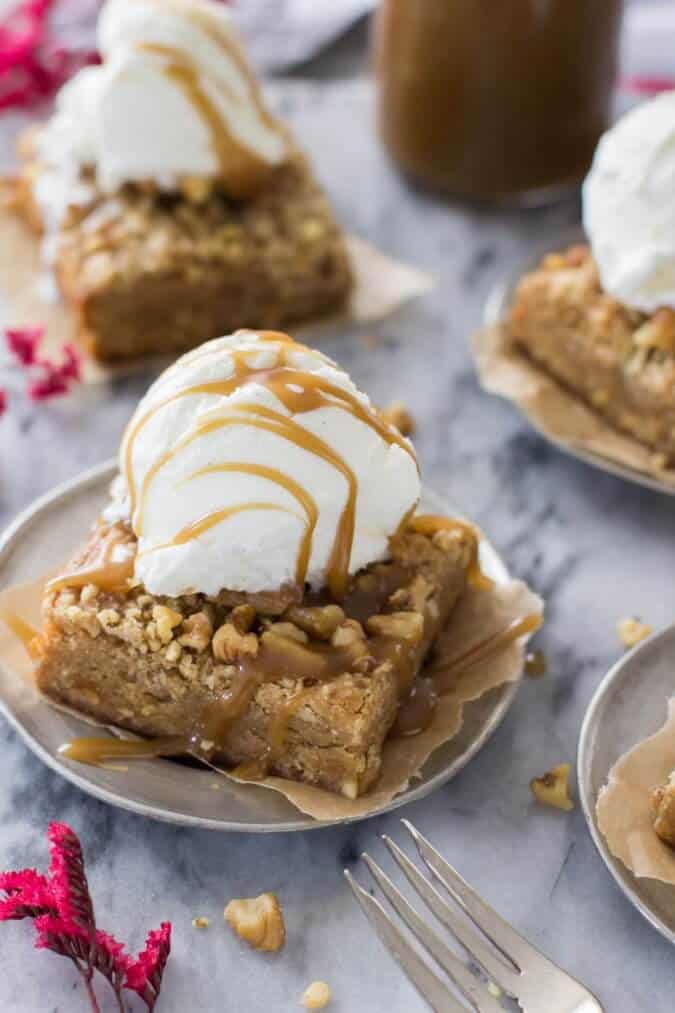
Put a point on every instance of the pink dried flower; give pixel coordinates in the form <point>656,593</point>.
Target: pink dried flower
<point>63,915</point>
<point>68,879</point>
<point>111,959</point>
<point>56,380</point>
<point>23,343</point>
<point>145,975</point>
<point>28,895</point>
<point>49,379</point>
<point>3,402</point>
<point>71,368</point>
<point>50,385</point>
<point>33,64</point>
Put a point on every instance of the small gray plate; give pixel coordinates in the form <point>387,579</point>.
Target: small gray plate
<point>629,705</point>
<point>496,308</point>
<point>39,539</point>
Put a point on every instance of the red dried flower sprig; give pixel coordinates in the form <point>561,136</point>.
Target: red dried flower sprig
<point>63,915</point>
<point>33,63</point>
<point>47,378</point>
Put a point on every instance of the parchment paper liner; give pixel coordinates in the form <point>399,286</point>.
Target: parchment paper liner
<point>477,616</point>
<point>623,812</point>
<point>382,285</point>
<point>552,409</point>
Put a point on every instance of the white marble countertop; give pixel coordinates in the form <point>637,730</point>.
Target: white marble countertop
<point>595,547</point>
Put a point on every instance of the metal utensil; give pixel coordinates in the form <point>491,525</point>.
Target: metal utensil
<point>510,963</point>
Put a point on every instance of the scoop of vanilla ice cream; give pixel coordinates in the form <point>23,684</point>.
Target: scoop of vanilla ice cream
<point>629,206</point>
<point>220,502</point>
<point>173,98</point>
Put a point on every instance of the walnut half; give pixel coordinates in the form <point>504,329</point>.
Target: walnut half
<point>257,920</point>
<point>553,788</point>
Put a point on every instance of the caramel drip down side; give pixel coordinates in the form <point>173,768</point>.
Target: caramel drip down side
<point>429,524</point>
<point>97,749</point>
<point>241,170</point>
<point>101,569</point>
<point>27,634</point>
<point>446,673</point>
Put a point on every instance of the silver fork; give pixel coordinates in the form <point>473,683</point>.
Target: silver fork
<point>516,967</point>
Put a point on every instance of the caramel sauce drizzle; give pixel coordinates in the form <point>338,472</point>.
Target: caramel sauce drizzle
<point>415,713</point>
<point>299,392</point>
<point>429,524</point>
<point>197,528</point>
<point>101,569</point>
<point>95,749</point>
<point>446,672</point>
<point>241,169</point>
<point>300,494</point>
<point>27,634</point>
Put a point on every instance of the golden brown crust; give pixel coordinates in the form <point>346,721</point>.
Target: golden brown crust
<point>620,361</point>
<point>149,664</point>
<point>147,273</point>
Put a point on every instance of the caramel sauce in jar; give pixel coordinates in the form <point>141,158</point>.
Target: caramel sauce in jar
<point>494,99</point>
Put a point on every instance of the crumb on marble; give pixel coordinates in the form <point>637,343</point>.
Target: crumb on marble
<point>316,996</point>
<point>553,788</point>
<point>631,631</point>
<point>200,923</point>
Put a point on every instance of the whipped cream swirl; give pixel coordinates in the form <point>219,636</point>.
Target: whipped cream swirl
<point>629,206</point>
<point>255,463</point>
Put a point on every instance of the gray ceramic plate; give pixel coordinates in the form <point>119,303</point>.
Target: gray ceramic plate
<point>39,539</point>
<point>629,706</point>
<point>496,308</point>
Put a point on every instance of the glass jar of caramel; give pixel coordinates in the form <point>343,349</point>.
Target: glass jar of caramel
<point>495,99</point>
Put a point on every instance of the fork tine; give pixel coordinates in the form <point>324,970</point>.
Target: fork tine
<point>504,976</point>
<point>509,942</point>
<point>468,984</point>
<point>427,983</point>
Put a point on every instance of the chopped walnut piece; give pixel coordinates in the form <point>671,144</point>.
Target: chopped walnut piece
<point>197,632</point>
<point>316,996</point>
<point>289,631</point>
<point>229,644</point>
<point>319,621</point>
<point>402,625</point>
<point>348,633</point>
<point>657,332</point>
<point>631,631</point>
<point>166,621</point>
<point>200,923</point>
<point>257,920</point>
<point>242,618</point>
<point>553,788</point>
<point>396,414</point>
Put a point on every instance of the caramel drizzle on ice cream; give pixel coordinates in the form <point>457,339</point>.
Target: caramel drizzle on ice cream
<point>299,392</point>
<point>242,171</point>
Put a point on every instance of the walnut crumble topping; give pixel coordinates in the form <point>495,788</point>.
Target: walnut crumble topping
<point>301,687</point>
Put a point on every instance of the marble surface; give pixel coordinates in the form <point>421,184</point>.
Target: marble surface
<point>595,547</point>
